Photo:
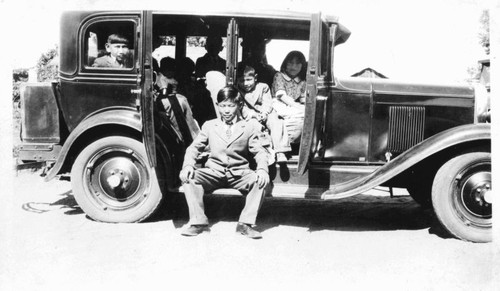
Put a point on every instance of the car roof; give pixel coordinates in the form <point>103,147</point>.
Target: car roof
<point>253,13</point>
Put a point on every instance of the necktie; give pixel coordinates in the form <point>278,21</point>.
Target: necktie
<point>228,130</point>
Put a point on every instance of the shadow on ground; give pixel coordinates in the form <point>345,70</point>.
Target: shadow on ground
<point>66,202</point>
<point>354,214</point>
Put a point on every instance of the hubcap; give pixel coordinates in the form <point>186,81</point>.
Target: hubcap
<point>117,178</point>
<point>476,194</point>
<point>488,197</point>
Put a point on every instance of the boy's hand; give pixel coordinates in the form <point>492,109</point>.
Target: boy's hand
<point>186,174</point>
<point>262,178</point>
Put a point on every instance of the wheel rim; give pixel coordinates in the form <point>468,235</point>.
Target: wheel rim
<point>474,199</point>
<point>116,179</point>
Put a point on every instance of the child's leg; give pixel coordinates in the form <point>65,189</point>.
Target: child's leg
<point>293,126</point>
<point>286,111</point>
<point>279,134</point>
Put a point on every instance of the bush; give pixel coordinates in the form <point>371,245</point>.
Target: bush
<point>484,33</point>
<point>18,76</point>
<point>48,66</point>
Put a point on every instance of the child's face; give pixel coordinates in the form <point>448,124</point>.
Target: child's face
<point>247,83</point>
<point>293,67</point>
<point>228,109</point>
<point>117,50</point>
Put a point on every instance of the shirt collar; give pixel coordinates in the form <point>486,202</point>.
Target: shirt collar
<point>296,79</point>
<point>234,120</point>
<point>114,60</point>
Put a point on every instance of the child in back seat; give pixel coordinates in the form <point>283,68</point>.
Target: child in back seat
<point>166,85</point>
<point>258,105</point>
<point>289,90</point>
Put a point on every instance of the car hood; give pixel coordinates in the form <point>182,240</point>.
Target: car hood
<point>390,87</point>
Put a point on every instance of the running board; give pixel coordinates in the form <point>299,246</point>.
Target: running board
<point>324,181</point>
<point>280,191</point>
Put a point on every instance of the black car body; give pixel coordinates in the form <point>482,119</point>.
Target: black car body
<point>101,124</point>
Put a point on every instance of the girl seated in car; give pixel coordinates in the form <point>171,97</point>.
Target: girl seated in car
<point>289,89</point>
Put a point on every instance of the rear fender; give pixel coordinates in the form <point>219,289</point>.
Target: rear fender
<point>439,142</point>
<point>119,117</point>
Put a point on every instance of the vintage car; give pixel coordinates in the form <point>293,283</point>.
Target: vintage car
<point>101,125</point>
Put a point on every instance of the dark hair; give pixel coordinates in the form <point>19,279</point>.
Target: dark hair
<point>185,66</point>
<point>214,40</point>
<point>301,58</point>
<point>253,39</point>
<point>245,71</point>
<point>167,63</point>
<point>229,93</point>
<point>117,38</point>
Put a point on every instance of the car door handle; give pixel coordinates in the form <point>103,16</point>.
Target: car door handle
<point>136,91</point>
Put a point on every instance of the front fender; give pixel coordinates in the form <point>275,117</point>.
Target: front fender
<point>451,137</point>
<point>120,116</point>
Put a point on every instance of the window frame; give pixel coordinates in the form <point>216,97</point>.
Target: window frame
<point>85,69</point>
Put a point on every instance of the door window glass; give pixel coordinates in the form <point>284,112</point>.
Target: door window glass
<point>109,45</point>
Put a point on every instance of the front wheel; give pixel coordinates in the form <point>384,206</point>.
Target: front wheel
<point>112,181</point>
<point>462,197</point>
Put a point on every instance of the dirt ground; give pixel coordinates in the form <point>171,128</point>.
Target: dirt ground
<point>369,241</point>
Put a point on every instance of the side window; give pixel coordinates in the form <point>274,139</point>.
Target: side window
<point>109,45</point>
<point>165,47</point>
<point>277,49</point>
<point>195,47</point>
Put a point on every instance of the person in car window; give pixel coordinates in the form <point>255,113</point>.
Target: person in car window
<point>233,141</point>
<point>117,53</point>
<point>258,105</point>
<point>255,45</point>
<point>195,91</point>
<point>211,60</point>
<point>289,89</point>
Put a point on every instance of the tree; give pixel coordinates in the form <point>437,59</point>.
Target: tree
<point>48,66</point>
<point>47,69</point>
<point>484,33</point>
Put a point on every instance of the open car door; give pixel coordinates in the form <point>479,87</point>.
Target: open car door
<point>145,86</point>
<point>232,52</point>
<point>324,36</point>
<point>317,71</point>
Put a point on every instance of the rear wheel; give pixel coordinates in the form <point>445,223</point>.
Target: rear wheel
<point>462,197</point>
<point>113,182</point>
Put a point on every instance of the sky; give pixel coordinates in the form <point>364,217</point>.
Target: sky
<point>423,40</point>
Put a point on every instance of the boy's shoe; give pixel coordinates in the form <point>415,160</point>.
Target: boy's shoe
<point>247,230</point>
<point>195,230</point>
<point>281,158</point>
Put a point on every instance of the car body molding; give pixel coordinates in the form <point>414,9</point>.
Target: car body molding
<point>432,145</point>
<point>120,116</point>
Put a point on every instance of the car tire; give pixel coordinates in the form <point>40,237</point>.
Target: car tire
<point>461,197</point>
<point>112,181</point>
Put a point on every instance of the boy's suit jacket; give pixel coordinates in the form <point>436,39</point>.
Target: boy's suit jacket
<point>231,154</point>
<point>107,61</point>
